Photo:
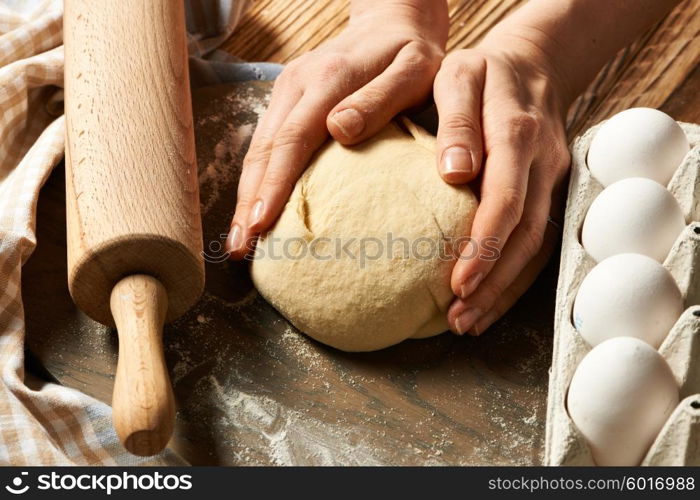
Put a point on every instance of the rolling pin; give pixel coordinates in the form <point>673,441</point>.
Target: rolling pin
<point>134,231</point>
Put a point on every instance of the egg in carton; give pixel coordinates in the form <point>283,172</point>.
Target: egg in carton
<point>678,442</point>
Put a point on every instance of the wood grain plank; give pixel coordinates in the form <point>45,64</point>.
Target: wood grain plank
<point>280,31</point>
<point>242,376</point>
<point>674,40</point>
<point>470,21</point>
<point>270,32</point>
<point>649,73</point>
<point>252,390</point>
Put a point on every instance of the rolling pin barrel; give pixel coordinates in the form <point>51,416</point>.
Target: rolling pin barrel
<point>133,220</point>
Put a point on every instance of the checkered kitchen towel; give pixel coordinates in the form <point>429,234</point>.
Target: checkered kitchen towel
<point>45,423</point>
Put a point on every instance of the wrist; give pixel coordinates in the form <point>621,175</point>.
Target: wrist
<point>428,18</point>
<point>536,56</point>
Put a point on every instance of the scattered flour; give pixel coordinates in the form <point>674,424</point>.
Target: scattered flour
<point>289,436</point>
<point>235,394</point>
<point>228,156</point>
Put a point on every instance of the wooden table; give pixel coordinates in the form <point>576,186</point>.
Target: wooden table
<point>250,389</point>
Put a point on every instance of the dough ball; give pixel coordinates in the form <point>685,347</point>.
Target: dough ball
<point>361,256</point>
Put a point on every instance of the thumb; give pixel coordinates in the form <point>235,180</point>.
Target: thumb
<point>404,84</point>
<point>457,91</point>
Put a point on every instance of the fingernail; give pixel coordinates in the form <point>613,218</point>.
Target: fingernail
<point>235,238</point>
<point>256,214</point>
<point>465,320</point>
<point>457,160</point>
<point>349,121</point>
<point>476,162</point>
<point>470,284</point>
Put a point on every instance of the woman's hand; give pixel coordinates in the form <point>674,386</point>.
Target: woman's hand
<point>352,86</point>
<point>502,106</point>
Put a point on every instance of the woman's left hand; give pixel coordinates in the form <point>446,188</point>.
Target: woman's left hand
<point>502,105</point>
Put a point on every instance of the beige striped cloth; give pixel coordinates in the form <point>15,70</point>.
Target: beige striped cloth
<point>44,423</point>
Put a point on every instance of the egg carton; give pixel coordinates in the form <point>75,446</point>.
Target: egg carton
<point>678,442</point>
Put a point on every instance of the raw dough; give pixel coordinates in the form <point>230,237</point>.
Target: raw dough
<point>386,188</point>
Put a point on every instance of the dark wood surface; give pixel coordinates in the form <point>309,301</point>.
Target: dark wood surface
<point>250,389</point>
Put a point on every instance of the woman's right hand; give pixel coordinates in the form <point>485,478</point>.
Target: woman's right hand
<point>351,86</point>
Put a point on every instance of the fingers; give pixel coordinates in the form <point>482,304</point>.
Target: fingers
<point>520,285</point>
<point>293,121</point>
<point>503,189</point>
<point>284,98</point>
<point>512,293</point>
<point>405,83</point>
<point>532,269</point>
<point>296,140</point>
<point>505,283</point>
<point>458,91</point>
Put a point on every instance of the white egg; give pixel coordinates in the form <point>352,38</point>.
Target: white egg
<point>627,295</point>
<point>638,142</point>
<point>632,215</point>
<point>619,398</point>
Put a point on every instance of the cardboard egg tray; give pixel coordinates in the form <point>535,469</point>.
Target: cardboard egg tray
<point>678,443</point>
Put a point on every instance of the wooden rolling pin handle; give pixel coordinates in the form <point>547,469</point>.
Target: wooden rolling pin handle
<point>143,406</point>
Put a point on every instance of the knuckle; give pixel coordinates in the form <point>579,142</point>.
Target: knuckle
<point>556,160</point>
<point>532,237</point>
<point>291,69</point>
<point>285,85</point>
<point>331,66</point>
<point>245,195</point>
<point>561,156</point>
<point>370,95</point>
<point>511,206</point>
<point>289,74</point>
<point>243,199</point>
<point>279,180</point>
<point>453,59</point>
<point>258,153</point>
<point>419,62</point>
<point>489,293</point>
<point>463,124</point>
<point>462,64</point>
<point>289,136</point>
<point>521,127</point>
